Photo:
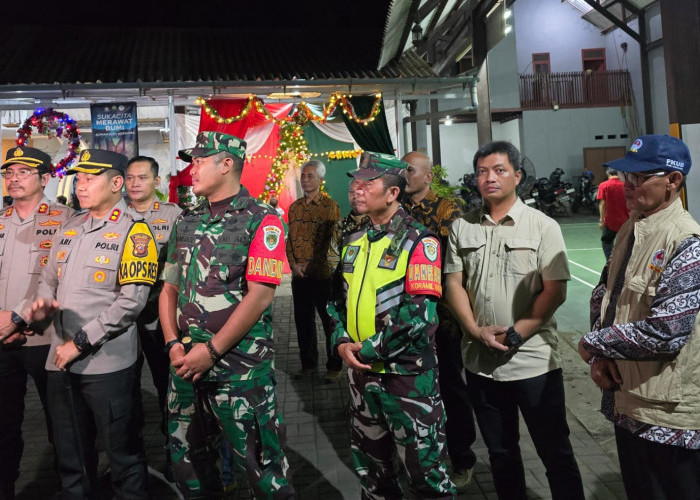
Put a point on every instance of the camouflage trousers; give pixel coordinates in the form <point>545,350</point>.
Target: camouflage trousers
<point>246,413</point>
<point>405,413</point>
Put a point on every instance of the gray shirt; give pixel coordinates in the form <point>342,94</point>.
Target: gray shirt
<point>82,274</point>
<point>24,251</point>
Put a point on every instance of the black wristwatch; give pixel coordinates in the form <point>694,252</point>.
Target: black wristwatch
<point>169,345</point>
<point>81,342</point>
<point>513,338</point>
<point>18,321</point>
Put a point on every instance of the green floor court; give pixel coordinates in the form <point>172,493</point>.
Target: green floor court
<point>586,261</point>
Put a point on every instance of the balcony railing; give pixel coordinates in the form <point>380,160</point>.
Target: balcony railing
<point>575,89</point>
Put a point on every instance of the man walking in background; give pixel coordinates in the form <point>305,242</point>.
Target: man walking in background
<point>613,210</point>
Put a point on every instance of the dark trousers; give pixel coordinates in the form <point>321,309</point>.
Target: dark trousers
<point>310,296</point>
<point>657,471</point>
<point>106,404</point>
<point>541,401</point>
<point>608,240</point>
<point>16,363</point>
<point>153,349</point>
<point>460,429</point>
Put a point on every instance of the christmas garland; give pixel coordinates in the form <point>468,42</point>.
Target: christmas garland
<point>53,124</point>
<point>301,114</point>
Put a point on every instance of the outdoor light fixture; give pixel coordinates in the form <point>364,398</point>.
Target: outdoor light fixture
<point>507,13</point>
<point>448,121</point>
<point>417,33</point>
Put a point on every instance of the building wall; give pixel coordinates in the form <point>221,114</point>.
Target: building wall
<point>554,139</point>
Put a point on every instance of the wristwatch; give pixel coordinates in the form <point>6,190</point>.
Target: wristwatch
<point>18,321</point>
<point>169,345</point>
<point>513,338</point>
<point>81,342</point>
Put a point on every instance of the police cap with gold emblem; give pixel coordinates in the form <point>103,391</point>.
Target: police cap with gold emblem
<point>374,165</point>
<point>29,157</point>
<point>97,161</point>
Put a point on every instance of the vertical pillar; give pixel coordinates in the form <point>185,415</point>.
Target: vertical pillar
<point>435,132</point>
<point>483,110</point>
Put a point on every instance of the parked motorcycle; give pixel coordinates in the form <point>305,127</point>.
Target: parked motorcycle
<point>553,196</point>
<point>586,195</point>
<point>470,192</point>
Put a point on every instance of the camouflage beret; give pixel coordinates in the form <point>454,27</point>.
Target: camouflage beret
<point>374,165</point>
<point>211,143</point>
<point>29,157</point>
<point>98,161</point>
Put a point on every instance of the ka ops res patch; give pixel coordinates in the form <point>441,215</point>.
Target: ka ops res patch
<point>139,262</point>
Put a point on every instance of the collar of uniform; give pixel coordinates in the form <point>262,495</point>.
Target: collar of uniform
<point>391,226</point>
<point>513,214</point>
<point>239,202</point>
<point>98,223</point>
<point>670,212</point>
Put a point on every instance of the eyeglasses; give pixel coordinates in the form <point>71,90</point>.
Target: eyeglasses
<point>22,173</point>
<point>637,180</point>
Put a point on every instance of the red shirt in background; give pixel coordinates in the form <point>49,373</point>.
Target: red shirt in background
<point>616,213</point>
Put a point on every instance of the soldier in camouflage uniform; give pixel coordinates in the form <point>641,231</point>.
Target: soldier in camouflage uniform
<point>437,214</point>
<point>384,332</point>
<point>26,229</point>
<point>225,260</point>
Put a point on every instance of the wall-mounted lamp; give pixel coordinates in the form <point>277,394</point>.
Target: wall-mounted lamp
<point>507,14</point>
<point>448,121</point>
<point>416,33</point>
<point>555,106</point>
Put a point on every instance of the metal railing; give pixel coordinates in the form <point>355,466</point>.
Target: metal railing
<point>575,89</point>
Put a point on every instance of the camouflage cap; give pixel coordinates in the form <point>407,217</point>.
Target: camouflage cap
<point>97,161</point>
<point>29,157</point>
<point>374,165</point>
<point>210,143</point>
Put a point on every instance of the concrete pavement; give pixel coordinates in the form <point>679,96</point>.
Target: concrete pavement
<point>318,433</point>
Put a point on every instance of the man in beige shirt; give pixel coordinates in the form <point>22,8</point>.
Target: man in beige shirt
<point>506,272</point>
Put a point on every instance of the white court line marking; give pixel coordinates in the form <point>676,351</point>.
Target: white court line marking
<point>584,267</point>
<point>582,281</point>
<point>581,249</point>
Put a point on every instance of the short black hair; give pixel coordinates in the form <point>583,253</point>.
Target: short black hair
<point>151,161</point>
<point>237,160</point>
<point>503,147</point>
<point>391,180</point>
<point>111,173</point>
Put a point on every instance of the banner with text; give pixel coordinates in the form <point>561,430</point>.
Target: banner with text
<point>115,128</point>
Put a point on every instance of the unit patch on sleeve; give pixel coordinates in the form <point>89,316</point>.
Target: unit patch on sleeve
<point>139,262</point>
<point>266,252</point>
<point>424,273</point>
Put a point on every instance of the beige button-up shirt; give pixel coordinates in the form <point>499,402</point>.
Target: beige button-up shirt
<point>505,263</point>
<point>24,252</point>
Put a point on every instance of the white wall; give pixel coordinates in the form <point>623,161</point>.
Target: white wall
<point>554,139</point>
<point>503,80</point>
<point>554,27</point>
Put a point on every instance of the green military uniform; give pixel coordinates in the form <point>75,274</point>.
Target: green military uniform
<point>392,277</point>
<point>211,259</point>
<point>437,214</point>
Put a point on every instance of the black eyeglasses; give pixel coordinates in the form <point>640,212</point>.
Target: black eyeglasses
<point>22,173</point>
<point>637,180</point>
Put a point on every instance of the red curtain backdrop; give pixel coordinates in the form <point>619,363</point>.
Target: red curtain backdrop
<point>254,172</point>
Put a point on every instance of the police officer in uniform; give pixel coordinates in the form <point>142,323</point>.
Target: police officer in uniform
<point>225,260</point>
<point>141,181</point>
<point>96,283</point>
<point>26,229</point>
